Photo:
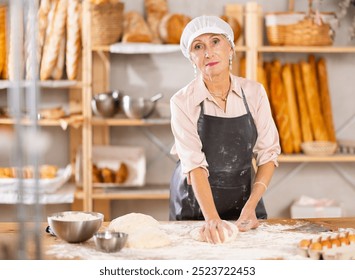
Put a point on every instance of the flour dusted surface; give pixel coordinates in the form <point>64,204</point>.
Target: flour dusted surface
<point>269,241</point>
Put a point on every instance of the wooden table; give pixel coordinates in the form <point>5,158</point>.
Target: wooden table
<point>9,234</point>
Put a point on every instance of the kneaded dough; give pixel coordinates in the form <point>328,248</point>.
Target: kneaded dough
<point>195,233</point>
<point>143,231</point>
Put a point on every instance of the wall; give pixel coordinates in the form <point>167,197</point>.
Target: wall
<point>148,74</point>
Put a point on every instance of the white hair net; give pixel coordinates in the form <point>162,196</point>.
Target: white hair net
<point>203,25</point>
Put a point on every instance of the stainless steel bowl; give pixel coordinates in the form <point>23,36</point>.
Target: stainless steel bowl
<point>75,226</point>
<point>110,241</point>
<point>139,107</point>
<point>106,104</point>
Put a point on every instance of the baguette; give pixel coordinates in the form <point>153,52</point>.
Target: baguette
<point>2,40</point>
<point>155,10</point>
<point>58,68</point>
<point>261,78</point>
<point>325,101</point>
<point>280,108</point>
<point>52,45</point>
<point>242,67</point>
<point>73,43</point>
<point>305,122</point>
<point>313,103</point>
<point>289,87</point>
<point>135,28</point>
<point>43,19</point>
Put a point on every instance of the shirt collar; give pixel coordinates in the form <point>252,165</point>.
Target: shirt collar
<point>201,92</point>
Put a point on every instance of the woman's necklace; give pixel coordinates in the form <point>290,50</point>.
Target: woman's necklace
<point>223,98</point>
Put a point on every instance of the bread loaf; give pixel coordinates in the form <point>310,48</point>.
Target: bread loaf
<point>73,42</point>
<point>171,27</point>
<point>155,10</point>
<point>313,103</point>
<point>135,28</point>
<point>234,24</point>
<point>280,108</point>
<point>53,40</point>
<point>325,100</point>
<point>305,122</point>
<point>289,87</point>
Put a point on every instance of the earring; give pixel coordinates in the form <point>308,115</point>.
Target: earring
<point>230,62</point>
<point>195,70</point>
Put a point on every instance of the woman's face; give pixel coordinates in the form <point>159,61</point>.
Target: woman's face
<point>211,53</point>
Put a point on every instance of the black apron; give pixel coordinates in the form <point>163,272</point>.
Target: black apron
<point>228,145</point>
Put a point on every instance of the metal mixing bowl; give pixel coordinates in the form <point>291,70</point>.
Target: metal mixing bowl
<point>139,107</point>
<point>75,226</point>
<point>106,104</point>
<point>110,241</point>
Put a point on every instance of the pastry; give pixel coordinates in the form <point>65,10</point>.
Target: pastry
<point>280,108</point>
<point>155,10</point>
<point>288,83</point>
<point>171,27</point>
<point>313,103</point>
<point>73,42</point>
<point>96,174</point>
<point>305,122</point>
<point>135,28</point>
<point>53,39</point>
<point>48,171</point>
<point>122,173</point>
<point>234,24</point>
<point>325,100</point>
<point>108,175</point>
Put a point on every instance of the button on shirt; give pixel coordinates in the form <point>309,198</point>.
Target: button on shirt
<point>185,111</point>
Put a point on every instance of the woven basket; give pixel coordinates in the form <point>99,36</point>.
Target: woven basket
<point>319,148</point>
<point>300,29</point>
<point>106,23</point>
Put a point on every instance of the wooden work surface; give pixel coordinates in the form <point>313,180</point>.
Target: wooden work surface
<point>287,231</point>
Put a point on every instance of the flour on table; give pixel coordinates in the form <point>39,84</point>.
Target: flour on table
<point>143,231</point>
<point>195,233</point>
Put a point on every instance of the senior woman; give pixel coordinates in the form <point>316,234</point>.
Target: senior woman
<point>219,122</point>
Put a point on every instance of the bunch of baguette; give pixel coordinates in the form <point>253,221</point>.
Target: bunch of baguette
<point>59,39</point>
<point>300,101</point>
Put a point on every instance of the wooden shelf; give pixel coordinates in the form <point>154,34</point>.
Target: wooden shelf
<point>129,122</point>
<point>305,158</point>
<point>71,120</point>
<point>5,84</point>
<point>145,48</point>
<point>307,49</point>
<point>127,193</point>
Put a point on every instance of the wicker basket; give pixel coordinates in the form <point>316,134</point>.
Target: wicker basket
<point>319,148</point>
<point>106,23</point>
<point>300,29</point>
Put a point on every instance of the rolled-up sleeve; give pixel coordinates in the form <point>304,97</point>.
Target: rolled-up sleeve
<point>188,146</point>
<point>267,147</point>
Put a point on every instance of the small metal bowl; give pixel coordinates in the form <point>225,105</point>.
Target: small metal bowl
<point>139,107</point>
<point>106,104</point>
<point>110,241</point>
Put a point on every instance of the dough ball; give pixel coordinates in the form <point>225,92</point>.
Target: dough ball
<point>143,231</point>
<point>150,237</point>
<point>195,233</point>
<point>133,222</point>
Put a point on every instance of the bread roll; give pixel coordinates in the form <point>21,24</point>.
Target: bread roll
<point>135,29</point>
<point>280,108</point>
<point>325,100</point>
<point>305,122</point>
<point>121,174</point>
<point>73,42</point>
<point>313,103</point>
<point>234,24</point>
<point>171,27</point>
<point>53,40</point>
<point>289,87</point>
<point>155,10</point>
<point>48,171</point>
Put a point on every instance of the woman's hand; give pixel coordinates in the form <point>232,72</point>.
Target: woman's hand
<point>212,231</point>
<point>247,220</point>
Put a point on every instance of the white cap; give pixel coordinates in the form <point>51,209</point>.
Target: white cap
<point>203,25</point>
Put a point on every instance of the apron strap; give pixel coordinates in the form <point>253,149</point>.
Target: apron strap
<point>245,101</point>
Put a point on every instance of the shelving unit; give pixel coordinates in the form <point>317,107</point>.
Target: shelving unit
<point>96,78</point>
